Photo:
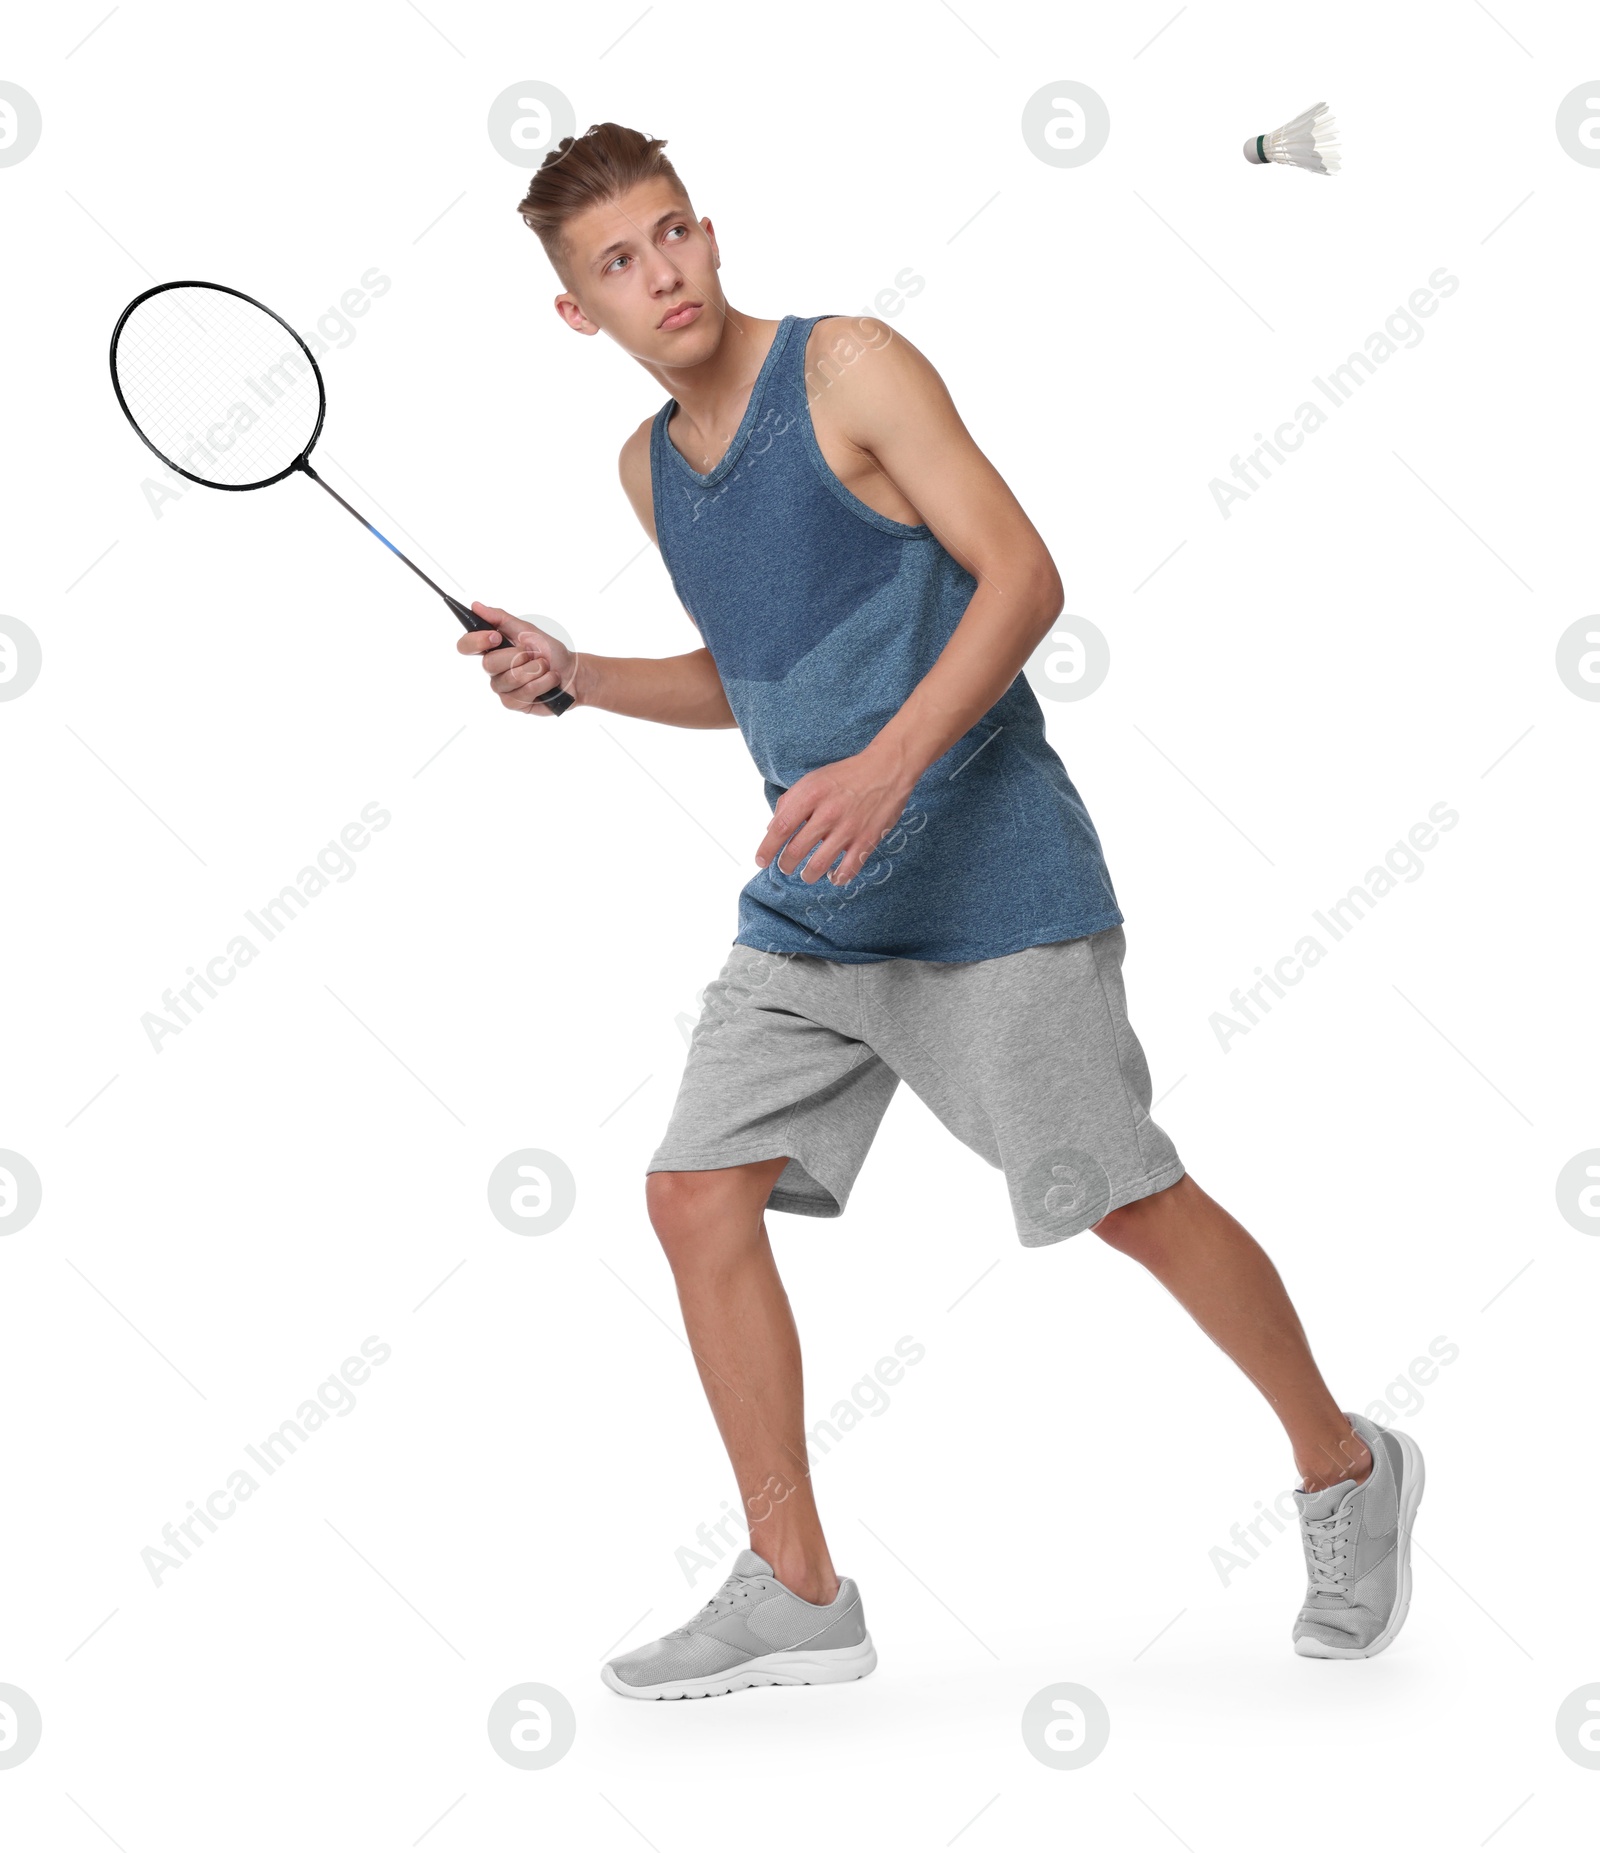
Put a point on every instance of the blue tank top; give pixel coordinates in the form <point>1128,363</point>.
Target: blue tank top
<point>822,615</point>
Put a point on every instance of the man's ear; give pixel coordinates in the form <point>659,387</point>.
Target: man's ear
<point>571,312</point>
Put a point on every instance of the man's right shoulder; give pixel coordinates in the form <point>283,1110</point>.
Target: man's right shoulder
<point>633,466</point>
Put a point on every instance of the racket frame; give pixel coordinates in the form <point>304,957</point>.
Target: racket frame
<point>222,289</point>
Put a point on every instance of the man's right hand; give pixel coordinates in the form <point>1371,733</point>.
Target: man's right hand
<point>522,661</point>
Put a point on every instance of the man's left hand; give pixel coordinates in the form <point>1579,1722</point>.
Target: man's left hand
<point>836,814</point>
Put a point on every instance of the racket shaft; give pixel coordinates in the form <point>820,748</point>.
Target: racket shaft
<point>558,700</point>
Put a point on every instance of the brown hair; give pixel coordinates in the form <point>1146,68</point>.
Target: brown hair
<point>586,170</point>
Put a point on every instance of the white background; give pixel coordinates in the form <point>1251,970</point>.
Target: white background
<point>514,960</point>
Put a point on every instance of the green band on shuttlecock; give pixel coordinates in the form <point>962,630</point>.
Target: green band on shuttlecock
<point>1261,152</point>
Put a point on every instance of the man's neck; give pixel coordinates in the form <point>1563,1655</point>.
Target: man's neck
<point>713,395</point>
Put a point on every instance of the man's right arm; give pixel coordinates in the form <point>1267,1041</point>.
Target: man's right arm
<point>679,691</point>
<point>683,691</point>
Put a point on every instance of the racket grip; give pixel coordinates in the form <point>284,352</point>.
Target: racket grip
<point>557,701</point>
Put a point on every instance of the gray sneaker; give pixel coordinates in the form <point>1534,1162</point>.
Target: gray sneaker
<point>753,1632</point>
<point>1357,1539</point>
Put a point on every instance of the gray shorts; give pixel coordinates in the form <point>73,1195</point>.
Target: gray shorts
<point>1028,1058</point>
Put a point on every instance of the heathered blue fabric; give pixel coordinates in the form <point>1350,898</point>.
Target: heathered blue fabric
<point>822,615</point>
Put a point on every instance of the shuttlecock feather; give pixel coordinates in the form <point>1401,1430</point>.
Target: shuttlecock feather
<point>1310,141</point>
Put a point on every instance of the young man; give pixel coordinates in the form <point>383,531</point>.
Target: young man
<point>931,903</point>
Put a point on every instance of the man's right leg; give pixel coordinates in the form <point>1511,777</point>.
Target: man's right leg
<point>742,1333</point>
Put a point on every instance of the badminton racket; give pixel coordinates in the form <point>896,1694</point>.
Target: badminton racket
<point>227,394</point>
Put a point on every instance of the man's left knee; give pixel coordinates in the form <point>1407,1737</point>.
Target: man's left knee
<point>1125,1222</point>
<point>1115,1223</point>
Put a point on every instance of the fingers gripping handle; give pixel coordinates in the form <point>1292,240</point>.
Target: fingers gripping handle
<point>557,701</point>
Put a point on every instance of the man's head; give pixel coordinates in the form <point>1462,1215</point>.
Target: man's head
<point>618,228</point>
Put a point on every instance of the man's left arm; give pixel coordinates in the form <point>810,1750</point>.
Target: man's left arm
<point>895,409</point>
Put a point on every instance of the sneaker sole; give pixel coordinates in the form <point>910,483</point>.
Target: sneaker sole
<point>829,1667</point>
<point>1415,1477</point>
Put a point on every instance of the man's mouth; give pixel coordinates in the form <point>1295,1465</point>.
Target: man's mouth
<point>682,316</point>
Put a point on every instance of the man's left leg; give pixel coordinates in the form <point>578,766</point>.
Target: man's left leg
<point>1029,1058</point>
<point>1361,1489</point>
<point>1222,1277</point>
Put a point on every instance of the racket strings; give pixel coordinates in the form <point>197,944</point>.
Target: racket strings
<point>217,386</point>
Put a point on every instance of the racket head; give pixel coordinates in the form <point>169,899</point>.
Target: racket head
<point>216,384</point>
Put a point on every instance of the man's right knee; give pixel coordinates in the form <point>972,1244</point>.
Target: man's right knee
<point>686,1204</point>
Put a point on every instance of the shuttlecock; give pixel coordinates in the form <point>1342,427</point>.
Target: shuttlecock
<point>1310,141</point>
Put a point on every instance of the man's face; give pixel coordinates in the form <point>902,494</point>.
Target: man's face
<point>644,270</point>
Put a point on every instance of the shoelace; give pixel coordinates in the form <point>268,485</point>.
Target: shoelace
<point>733,1591</point>
<point>1328,1550</point>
